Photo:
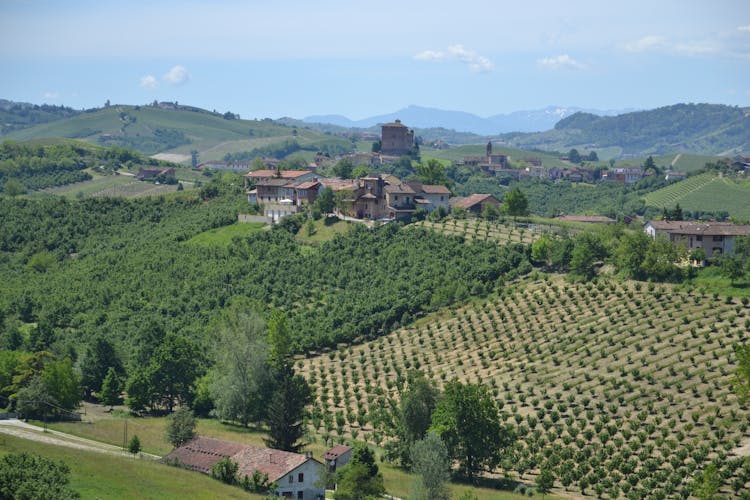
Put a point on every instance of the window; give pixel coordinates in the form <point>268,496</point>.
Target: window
<point>291,478</point>
<point>301,477</point>
<point>300,495</point>
<point>699,237</point>
<point>718,238</point>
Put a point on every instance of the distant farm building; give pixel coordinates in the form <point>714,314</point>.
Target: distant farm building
<point>149,173</point>
<point>475,203</point>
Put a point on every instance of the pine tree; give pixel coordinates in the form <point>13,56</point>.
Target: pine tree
<point>286,411</point>
<point>111,387</point>
<point>134,446</point>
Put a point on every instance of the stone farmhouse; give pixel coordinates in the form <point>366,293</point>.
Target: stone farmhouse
<point>337,457</point>
<point>378,197</point>
<point>396,139</point>
<point>492,162</point>
<point>296,475</point>
<point>475,203</point>
<point>715,238</point>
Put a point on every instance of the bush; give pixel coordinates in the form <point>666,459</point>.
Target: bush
<point>26,476</point>
<point>225,470</point>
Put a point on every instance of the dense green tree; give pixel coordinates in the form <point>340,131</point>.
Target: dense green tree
<point>55,389</point>
<point>588,250</point>
<point>360,479</point>
<point>111,388</point>
<point>574,156</point>
<point>134,445</point>
<point>173,369</point>
<point>432,465</point>
<point>661,260</point>
<point>631,252</point>
<point>432,171</point>
<point>241,380</point>
<point>466,419</point>
<point>34,399</point>
<point>413,416</point>
<point>326,200</point>
<point>343,168</point>
<point>515,202</point>
<point>181,427</point>
<point>24,476</point>
<point>99,356</point>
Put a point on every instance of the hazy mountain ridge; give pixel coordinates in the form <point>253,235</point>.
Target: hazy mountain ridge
<point>424,117</point>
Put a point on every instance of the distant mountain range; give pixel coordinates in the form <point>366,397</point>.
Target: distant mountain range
<point>536,120</point>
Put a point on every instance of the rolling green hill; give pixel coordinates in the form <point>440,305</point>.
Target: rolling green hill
<point>705,192</point>
<point>153,130</point>
<point>698,128</point>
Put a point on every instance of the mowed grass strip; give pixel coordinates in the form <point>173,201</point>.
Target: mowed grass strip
<point>222,236</point>
<point>98,475</point>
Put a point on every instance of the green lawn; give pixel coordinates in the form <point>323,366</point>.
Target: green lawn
<point>98,475</point>
<point>222,236</point>
<point>710,279</point>
<point>322,231</point>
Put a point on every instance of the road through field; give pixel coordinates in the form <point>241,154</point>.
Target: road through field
<point>18,428</point>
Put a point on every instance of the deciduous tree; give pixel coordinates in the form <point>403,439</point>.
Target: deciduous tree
<point>431,463</point>
<point>181,427</point>
<point>466,419</point>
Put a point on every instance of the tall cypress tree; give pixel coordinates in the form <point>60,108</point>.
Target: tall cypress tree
<point>287,407</point>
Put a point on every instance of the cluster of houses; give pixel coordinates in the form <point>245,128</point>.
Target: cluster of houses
<point>296,475</point>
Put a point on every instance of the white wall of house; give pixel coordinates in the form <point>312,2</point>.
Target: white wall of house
<point>310,473</point>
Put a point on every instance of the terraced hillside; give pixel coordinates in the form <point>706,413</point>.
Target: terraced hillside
<point>705,192</point>
<point>621,388</point>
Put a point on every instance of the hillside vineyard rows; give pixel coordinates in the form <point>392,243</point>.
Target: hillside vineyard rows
<point>619,386</point>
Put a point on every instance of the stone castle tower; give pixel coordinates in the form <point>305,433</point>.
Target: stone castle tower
<point>396,139</point>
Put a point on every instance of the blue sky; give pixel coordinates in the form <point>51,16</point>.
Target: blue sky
<point>298,58</point>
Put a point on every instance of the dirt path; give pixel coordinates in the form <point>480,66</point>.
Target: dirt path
<point>676,159</point>
<point>23,430</point>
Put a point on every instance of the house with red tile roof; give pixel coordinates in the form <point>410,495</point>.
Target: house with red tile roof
<point>296,475</point>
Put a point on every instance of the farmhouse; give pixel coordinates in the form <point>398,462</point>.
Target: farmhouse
<point>338,456</point>
<point>492,162</point>
<point>475,203</point>
<point>715,238</point>
<point>295,474</point>
<point>148,173</point>
<point>379,196</point>
<point>396,139</point>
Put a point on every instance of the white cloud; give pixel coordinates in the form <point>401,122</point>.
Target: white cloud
<point>51,94</point>
<point>563,61</point>
<point>430,55</point>
<point>476,63</point>
<point>178,75</point>
<point>649,42</point>
<point>149,82</point>
<point>744,28</point>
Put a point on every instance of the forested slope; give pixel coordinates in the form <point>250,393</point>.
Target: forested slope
<point>113,266</point>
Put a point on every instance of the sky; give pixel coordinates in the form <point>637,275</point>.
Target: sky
<point>300,57</point>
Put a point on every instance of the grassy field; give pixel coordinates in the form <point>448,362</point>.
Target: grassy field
<point>96,475</point>
<point>629,384</point>
<point>222,236</point>
<point>323,230</point>
<point>707,192</point>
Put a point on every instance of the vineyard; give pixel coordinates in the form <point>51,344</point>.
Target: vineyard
<point>620,388</point>
<point>706,192</point>
<point>116,186</point>
<point>481,230</point>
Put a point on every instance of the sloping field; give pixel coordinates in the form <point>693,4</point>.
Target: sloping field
<point>706,192</point>
<point>622,389</point>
